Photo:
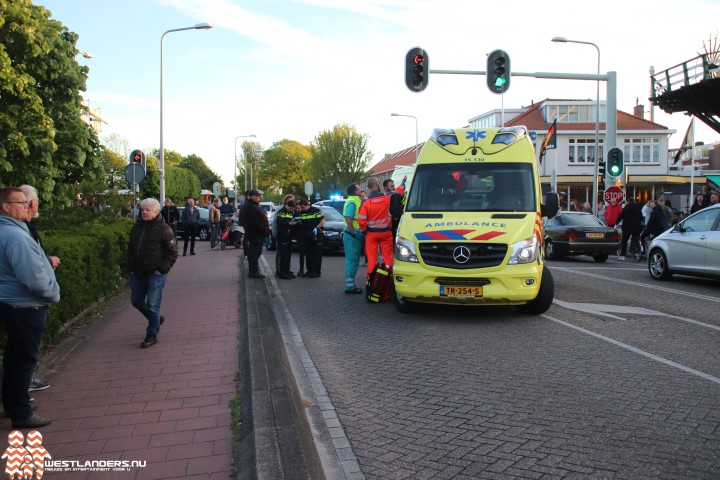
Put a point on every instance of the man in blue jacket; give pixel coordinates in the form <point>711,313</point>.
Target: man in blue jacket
<point>27,287</point>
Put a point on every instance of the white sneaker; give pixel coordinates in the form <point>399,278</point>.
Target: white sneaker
<point>621,258</point>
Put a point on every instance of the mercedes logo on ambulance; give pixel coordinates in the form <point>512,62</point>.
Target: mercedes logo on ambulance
<point>461,254</point>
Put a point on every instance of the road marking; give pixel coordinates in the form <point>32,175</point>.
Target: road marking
<point>649,355</point>
<point>639,284</point>
<point>605,311</point>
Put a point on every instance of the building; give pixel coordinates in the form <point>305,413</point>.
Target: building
<point>91,116</point>
<point>568,169</point>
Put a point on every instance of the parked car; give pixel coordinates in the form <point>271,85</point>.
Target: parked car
<point>268,208</point>
<point>336,204</point>
<point>204,231</point>
<point>333,228</point>
<point>691,247</point>
<point>579,233</point>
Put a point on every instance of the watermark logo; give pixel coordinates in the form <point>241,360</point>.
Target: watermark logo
<point>25,458</point>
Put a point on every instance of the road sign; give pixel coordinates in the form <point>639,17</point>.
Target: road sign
<point>134,173</point>
<point>308,188</point>
<point>614,192</point>
<point>216,189</point>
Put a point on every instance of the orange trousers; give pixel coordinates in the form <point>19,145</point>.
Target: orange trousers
<point>375,240</point>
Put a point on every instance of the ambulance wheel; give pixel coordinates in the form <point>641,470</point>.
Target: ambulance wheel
<point>544,298</point>
<point>403,305</point>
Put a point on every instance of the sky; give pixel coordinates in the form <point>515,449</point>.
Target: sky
<point>291,69</point>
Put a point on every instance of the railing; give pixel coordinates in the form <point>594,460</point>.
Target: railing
<point>693,71</point>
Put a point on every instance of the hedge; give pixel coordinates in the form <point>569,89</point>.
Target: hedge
<point>92,267</point>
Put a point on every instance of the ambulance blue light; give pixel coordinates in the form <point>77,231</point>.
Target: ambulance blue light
<point>445,137</point>
<point>509,135</point>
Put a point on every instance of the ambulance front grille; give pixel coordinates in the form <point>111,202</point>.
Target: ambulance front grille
<point>451,255</point>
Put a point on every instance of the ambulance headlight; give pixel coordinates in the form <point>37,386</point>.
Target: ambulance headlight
<point>525,251</point>
<point>405,250</point>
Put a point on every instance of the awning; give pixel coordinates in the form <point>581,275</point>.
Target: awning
<point>714,180</point>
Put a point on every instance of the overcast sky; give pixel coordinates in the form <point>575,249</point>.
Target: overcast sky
<point>291,69</point>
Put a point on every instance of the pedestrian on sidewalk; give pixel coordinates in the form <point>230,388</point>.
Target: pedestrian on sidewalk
<point>27,287</point>
<point>152,252</point>
<point>191,220</point>
<point>214,218</point>
<point>256,229</point>
<point>170,214</point>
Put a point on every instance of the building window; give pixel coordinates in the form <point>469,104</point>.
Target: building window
<point>582,150</point>
<point>642,150</point>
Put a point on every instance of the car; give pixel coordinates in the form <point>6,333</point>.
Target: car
<point>336,204</point>
<point>333,228</point>
<point>204,231</point>
<point>268,208</point>
<point>690,247</point>
<point>579,233</point>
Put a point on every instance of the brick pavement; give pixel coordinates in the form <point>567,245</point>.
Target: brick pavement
<point>168,404</point>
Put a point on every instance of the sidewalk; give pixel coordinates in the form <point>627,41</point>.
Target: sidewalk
<point>168,405</point>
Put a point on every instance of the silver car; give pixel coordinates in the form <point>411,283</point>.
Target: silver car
<point>691,247</point>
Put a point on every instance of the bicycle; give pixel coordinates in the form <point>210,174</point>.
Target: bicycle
<point>644,242</point>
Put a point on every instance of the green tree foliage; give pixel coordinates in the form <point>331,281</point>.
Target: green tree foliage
<point>43,140</point>
<point>180,184</point>
<point>172,158</point>
<point>252,156</point>
<point>340,157</point>
<point>198,166</point>
<point>286,167</point>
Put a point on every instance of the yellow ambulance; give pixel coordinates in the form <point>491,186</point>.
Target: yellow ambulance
<point>472,229</point>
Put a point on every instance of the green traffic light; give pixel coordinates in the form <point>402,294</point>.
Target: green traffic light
<point>500,81</point>
<point>614,169</point>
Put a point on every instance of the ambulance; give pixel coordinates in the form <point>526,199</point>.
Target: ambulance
<point>472,229</point>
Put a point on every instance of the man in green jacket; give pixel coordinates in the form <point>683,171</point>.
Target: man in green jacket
<point>352,238</point>
<point>151,254</point>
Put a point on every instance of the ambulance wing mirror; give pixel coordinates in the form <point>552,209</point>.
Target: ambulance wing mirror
<point>551,206</point>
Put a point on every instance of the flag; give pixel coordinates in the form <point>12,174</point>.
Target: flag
<point>550,140</point>
<point>686,143</point>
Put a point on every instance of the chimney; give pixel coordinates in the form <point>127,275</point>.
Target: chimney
<point>639,110</point>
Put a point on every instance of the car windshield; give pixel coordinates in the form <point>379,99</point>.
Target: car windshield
<point>579,220</point>
<point>331,215</point>
<point>475,187</point>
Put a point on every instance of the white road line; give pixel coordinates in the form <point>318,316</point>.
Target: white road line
<point>653,286</point>
<point>637,350</point>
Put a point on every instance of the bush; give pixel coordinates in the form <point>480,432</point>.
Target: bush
<point>92,251</point>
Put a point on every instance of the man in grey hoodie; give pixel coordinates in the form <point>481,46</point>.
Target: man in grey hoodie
<point>27,287</point>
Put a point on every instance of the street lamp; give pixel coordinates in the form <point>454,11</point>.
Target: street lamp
<point>597,119</point>
<point>416,131</point>
<point>245,167</point>
<point>198,26</point>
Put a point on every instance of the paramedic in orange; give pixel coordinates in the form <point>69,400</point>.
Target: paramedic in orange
<point>374,219</point>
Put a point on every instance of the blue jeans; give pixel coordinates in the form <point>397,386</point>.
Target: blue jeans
<point>25,328</point>
<point>146,297</point>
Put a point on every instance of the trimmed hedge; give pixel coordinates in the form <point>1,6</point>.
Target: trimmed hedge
<point>92,266</point>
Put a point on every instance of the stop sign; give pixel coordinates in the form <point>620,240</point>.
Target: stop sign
<point>614,192</point>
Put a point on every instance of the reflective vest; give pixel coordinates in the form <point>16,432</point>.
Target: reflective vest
<point>374,214</point>
<point>354,200</point>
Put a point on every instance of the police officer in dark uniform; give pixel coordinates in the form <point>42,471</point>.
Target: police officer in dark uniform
<point>311,236</point>
<point>286,224</point>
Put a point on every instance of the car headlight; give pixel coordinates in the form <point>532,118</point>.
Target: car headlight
<point>524,251</point>
<point>405,250</point>
<point>332,234</point>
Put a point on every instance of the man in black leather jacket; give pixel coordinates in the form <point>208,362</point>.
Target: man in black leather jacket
<point>152,252</point>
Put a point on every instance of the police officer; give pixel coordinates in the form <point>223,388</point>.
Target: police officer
<point>310,230</point>
<point>285,224</point>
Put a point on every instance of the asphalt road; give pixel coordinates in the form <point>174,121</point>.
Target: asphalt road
<point>619,379</point>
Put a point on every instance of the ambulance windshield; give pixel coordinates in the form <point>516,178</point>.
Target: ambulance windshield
<point>476,187</point>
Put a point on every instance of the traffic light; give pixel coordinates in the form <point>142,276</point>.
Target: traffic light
<point>137,156</point>
<point>498,71</point>
<point>601,168</point>
<point>417,69</point>
<point>615,163</point>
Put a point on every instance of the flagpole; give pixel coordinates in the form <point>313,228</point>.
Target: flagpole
<point>691,198</point>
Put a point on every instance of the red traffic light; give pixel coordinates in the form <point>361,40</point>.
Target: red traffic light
<point>137,156</point>
<point>416,69</point>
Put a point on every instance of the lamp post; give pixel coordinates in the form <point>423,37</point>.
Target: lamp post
<point>245,166</point>
<point>416,131</point>
<point>198,26</point>
<point>597,120</point>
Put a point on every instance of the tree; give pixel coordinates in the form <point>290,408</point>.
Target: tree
<point>172,158</point>
<point>340,157</point>
<point>198,166</point>
<point>181,183</point>
<point>43,140</point>
<point>286,167</point>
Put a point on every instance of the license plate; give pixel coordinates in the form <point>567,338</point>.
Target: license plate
<point>595,235</point>
<point>461,291</point>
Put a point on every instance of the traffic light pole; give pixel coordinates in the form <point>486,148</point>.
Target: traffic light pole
<point>610,122</point>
